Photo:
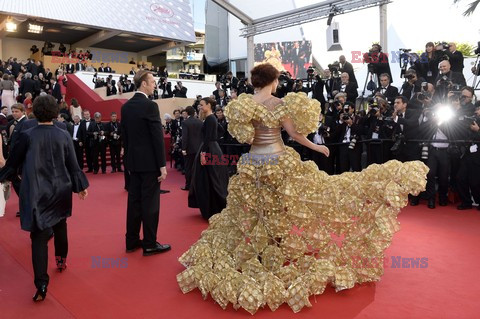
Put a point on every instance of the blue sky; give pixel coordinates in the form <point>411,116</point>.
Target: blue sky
<point>198,7</point>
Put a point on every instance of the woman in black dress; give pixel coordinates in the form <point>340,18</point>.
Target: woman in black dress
<point>50,173</point>
<point>208,190</point>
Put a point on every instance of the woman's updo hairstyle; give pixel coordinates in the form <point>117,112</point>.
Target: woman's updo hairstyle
<point>211,102</point>
<point>263,75</point>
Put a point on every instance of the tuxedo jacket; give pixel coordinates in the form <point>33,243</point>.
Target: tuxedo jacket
<point>191,135</point>
<point>108,69</point>
<point>391,93</point>
<point>350,90</point>
<point>142,135</point>
<point>100,69</point>
<point>79,67</point>
<point>70,68</point>
<point>82,131</point>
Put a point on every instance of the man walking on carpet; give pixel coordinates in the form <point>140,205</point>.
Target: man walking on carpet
<point>145,161</point>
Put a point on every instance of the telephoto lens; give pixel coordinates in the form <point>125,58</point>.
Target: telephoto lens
<point>425,152</point>
<point>353,142</point>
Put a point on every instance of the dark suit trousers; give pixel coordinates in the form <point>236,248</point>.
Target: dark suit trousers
<point>78,153</point>
<point>99,149</point>
<point>468,178</point>
<point>115,155</point>
<point>439,164</point>
<point>143,208</point>
<point>189,160</point>
<point>40,249</point>
<point>88,154</point>
<point>349,159</point>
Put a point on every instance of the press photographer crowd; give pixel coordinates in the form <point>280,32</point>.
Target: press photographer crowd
<point>432,117</point>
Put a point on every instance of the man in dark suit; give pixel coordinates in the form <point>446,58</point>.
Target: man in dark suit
<point>16,67</point>
<point>387,90</point>
<point>145,160</point>
<point>33,67</point>
<point>180,90</point>
<point>26,85</point>
<point>348,67</point>
<point>222,100</point>
<point>129,87</point>
<point>101,68</point>
<point>98,137</point>
<point>445,79</point>
<point>108,69</point>
<point>114,142</point>
<point>70,68</point>
<point>191,140</point>
<point>77,141</point>
<point>456,58</point>
<point>79,66</point>
<point>218,86</point>
<point>85,140</point>
<point>63,118</point>
<point>345,86</point>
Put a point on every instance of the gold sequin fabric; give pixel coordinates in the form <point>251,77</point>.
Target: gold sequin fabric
<point>289,230</point>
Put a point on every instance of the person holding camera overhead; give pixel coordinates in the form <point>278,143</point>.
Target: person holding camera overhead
<point>412,85</point>
<point>180,90</point>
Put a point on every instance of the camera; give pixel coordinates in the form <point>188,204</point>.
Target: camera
<point>474,119</point>
<point>324,130</point>
<point>346,117</point>
<point>335,69</point>
<point>424,151</point>
<point>353,142</point>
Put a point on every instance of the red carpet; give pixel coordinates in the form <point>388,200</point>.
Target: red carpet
<point>147,288</point>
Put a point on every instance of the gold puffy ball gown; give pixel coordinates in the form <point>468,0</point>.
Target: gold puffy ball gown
<point>289,229</point>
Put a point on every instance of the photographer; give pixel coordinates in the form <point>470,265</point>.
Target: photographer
<point>347,87</point>
<point>377,61</point>
<point>447,80</point>
<point>427,65</point>
<point>222,100</point>
<point>468,178</point>
<point>229,81</point>
<point>317,92</point>
<point>390,92</point>
<point>456,58</point>
<point>98,137</point>
<point>285,84</point>
<point>380,126</point>
<point>180,90</point>
<point>331,82</point>
<point>412,84</point>
<point>348,132</point>
<point>322,137</point>
<point>243,86</point>
<point>348,68</point>
<point>298,87</point>
<point>218,86</point>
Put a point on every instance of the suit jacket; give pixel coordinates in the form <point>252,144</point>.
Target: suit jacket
<point>348,67</point>
<point>25,124</point>
<point>391,93</point>
<point>82,132</point>
<point>27,85</point>
<point>100,69</point>
<point>350,90</point>
<point>108,69</point>
<point>111,129</point>
<point>456,61</point>
<point>142,135</point>
<point>33,68</point>
<point>16,67</point>
<point>69,128</point>
<point>70,68</point>
<point>191,135</point>
<point>79,67</point>
<point>97,128</point>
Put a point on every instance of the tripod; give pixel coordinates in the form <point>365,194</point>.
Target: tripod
<point>372,86</point>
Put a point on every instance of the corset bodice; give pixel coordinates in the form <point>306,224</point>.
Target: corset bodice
<point>267,141</point>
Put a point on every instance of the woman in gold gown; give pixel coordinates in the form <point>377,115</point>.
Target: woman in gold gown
<point>289,229</point>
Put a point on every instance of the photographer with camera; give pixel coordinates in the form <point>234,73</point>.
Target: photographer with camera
<point>243,86</point>
<point>412,85</point>
<point>468,177</point>
<point>347,87</point>
<point>322,137</point>
<point>285,84</point>
<point>348,132</point>
<point>180,90</point>
<point>377,61</point>
<point>447,81</point>
<point>229,81</point>
<point>331,82</point>
<point>390,92</point>
<point>379,125</point>
<point>298,87</point>
<point>456,58</point>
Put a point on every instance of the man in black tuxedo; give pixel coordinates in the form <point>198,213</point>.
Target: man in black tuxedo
<point>222,100</point>
<point>132,71</point>
<point>114,142</point>
<point>298,60</point>
<point>48,74</point>
<point>218,86</point>
<point>180,90</point>
<point>108,69</point>
<point>63,118</point>
<point>77,141</point>
<point>145,160</point>
<point>26,85</point>
<point>191,140</point>
<point>345,86</point>
<point>70,68</point>
<point>387,90</point>
<point>79,66</point>
<point>98,137</point>
<point>129,87</point>
<point>101,68</point>
<point>16,67</point>
<point>33,67</point>
<point>347,67</point>
<point>85,140</point>
<point>445,79</point>
<point>331,83</point>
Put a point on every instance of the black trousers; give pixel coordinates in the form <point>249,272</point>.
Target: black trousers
<point>88,154</point>
<point>78,153</point>
<point>40,249</point>
<point>116,162</point>
<point>99,148</point>
<point>349,158</point>
<point>189,159</point>
<point>468,178</point>
<point>439,164</point>
<point>143,208</point>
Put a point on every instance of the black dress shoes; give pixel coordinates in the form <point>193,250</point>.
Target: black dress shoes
<point>159,248</point>
<point>95,172</point>
<point>463,206</point>
<point>40,294</point>
<point>443,202</point>
<point>414,201</point>
<point>17,214</point>
<point>89,171</point>
<point>163,191</point>
<point>134,248</point>
<point>185,188</point>
<point>431,203</point>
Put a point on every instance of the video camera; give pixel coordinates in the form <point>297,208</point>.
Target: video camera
<point>335,69</point>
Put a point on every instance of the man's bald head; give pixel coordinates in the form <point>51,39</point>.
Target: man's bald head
<point>444,67</point>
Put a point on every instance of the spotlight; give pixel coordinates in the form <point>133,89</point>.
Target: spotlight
<point>35,28</point>
<point>11,26</point>
<point>443,114</point>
